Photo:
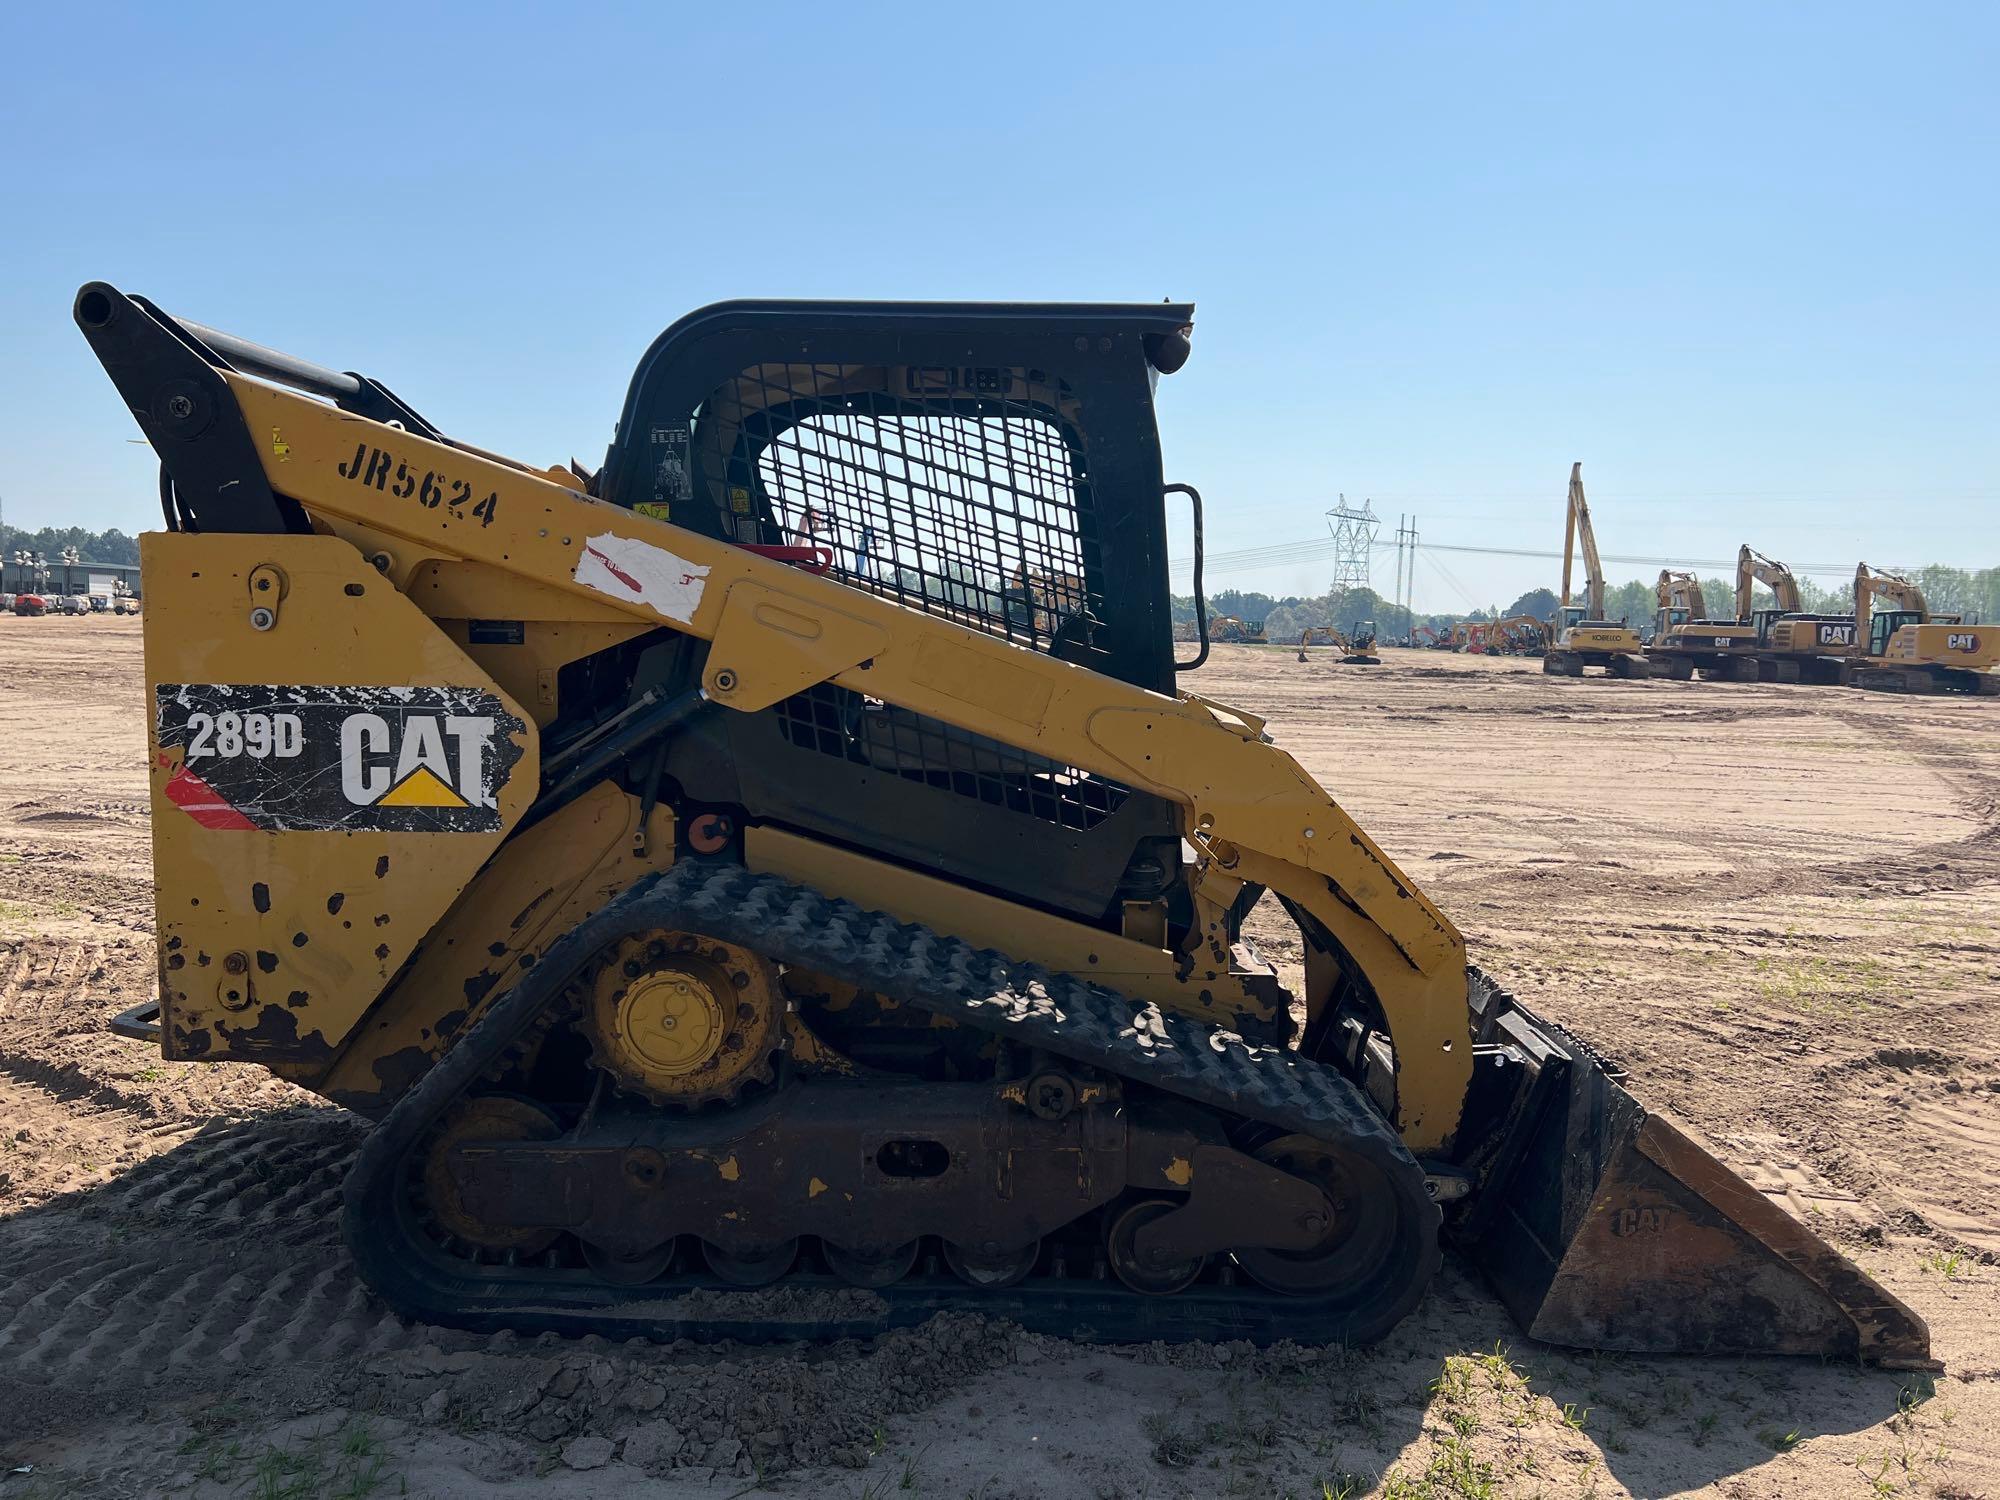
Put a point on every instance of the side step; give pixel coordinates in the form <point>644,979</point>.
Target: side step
<point>141,1023</point>
<point>1604,1225</point>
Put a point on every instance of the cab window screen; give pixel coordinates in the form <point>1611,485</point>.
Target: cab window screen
<point>973,506</point>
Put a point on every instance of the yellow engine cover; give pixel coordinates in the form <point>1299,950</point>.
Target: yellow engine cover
<point>1972,648</point>
<point>328,772</point>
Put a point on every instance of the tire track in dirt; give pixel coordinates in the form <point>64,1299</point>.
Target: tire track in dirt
<point>1918,1128</point>
<point>224,1251</point>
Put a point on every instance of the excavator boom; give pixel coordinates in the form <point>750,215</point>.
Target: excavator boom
<point>1871,584</point>
<point>1773,575</point>
<point>1578,528</point>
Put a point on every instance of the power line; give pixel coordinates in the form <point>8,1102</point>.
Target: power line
<point>1729,563</point>
<point>1277,555</point>
<point>1451,580</point>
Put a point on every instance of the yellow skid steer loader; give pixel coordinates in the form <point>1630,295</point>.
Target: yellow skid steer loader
<point>785,852</point>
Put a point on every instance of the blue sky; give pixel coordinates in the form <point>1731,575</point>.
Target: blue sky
<point>1741,261</point>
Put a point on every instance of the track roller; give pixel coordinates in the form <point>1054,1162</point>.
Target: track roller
<point>873,1269</point>
<point>629,1269</point>
<point>1141,1271</point>
<point>992,1270</point>
<point>751,1268</point>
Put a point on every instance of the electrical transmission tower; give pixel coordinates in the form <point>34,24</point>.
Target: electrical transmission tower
<point>1353,543</point>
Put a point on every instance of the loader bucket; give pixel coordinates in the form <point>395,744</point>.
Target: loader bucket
<point>1604,1225</point>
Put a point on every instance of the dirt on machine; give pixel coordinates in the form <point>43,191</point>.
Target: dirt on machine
<point>787,854</point>
<point>1579,636</point>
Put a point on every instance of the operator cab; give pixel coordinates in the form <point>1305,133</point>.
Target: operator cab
<point>1568,618</point>
<point>1764,619</point>
<point>1883,627</point>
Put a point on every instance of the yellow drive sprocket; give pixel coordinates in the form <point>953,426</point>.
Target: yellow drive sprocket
<point>682,1019</point>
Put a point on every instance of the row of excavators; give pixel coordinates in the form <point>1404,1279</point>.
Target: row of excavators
<point>1903,647</point>
<point>1892,642</point>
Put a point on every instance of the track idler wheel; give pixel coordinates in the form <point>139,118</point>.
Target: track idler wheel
<point>751,1268</point>
<point>495,1117</point>
<point>1363,1256</point>
<point>873,1269</point>
<point>994,1270</point>
<point>1143,1273</point>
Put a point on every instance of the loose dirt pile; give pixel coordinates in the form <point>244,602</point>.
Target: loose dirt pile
<point>1779,908</point>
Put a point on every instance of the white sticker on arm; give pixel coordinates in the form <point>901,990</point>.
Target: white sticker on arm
<point>633,571</point>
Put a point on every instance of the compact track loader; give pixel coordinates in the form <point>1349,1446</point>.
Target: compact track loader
<point>785,853</point>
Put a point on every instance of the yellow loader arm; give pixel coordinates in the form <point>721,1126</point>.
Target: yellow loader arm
<point>1249,808</point>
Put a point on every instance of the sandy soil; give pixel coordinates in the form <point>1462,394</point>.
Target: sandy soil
<point>1779,908</point>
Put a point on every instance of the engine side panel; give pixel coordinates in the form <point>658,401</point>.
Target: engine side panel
<point>328,771</point>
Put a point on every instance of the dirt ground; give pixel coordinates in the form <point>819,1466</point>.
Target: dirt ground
<point>1778,908</point>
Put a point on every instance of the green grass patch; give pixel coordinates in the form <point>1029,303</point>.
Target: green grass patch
<point>1950,1264</point>
<point>348,1462</point>
<point>1819,986</point>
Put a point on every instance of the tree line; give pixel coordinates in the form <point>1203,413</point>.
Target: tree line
<point>1971,593</point>
<point>112,546</point>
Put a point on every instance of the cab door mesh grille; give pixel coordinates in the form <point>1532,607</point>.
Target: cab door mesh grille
<point>963,493</point>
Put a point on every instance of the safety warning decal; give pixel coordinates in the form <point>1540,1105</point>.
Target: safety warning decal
<point>351,759</point>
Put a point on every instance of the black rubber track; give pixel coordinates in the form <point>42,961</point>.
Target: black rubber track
<point>913,965</point>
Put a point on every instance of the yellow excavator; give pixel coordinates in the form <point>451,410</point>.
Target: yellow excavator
<point>1684,641</point>
<point>1791,645</point>
<point>1233,630</point>
<point>1907,649</point>
<point>1753,568</point>
<point>1516,635</point>
<point>705,875</point>
<point>1579,636</point>
<point>1678,599</point>
<point>1357,650</point>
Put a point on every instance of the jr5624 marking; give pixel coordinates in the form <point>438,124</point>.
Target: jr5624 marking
<point>394,476</point>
